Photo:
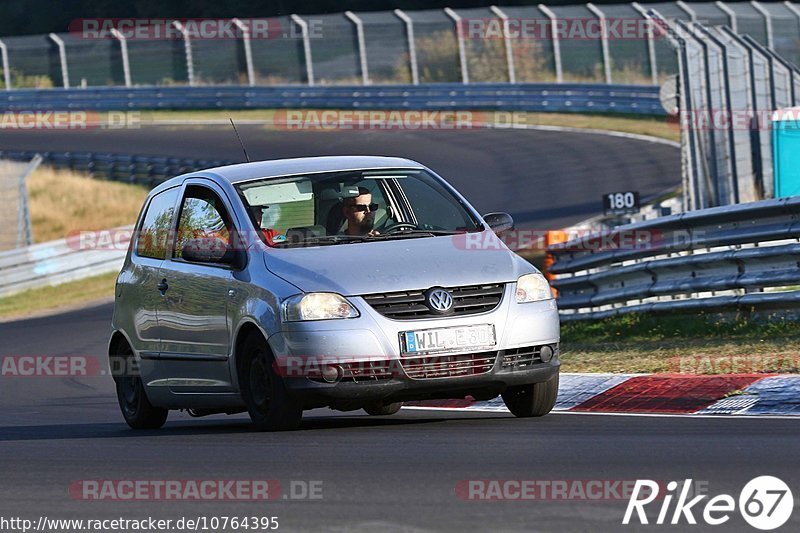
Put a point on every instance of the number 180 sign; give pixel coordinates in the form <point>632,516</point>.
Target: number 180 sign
<point>620,203</point>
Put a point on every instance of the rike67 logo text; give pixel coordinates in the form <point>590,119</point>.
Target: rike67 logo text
<point>765,503</point>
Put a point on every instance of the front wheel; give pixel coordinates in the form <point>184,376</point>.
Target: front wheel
<point>139,413</point>
<point>536,399</point>
<point>383,409</point>
<point>263,391</point>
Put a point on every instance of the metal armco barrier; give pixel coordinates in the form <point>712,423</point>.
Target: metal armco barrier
<point>633,99</point>
<point>59,261</point>
<point>148,170</point>
<point>713,259</point>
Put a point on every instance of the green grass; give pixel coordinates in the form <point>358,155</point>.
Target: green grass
<point>64,296</point>
<point>702,344</point>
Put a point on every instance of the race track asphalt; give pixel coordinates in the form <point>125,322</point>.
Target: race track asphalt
<point>545,179</point>
<point>394,473</point>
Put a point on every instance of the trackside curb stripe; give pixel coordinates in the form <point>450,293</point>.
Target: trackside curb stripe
<point>723,394</point>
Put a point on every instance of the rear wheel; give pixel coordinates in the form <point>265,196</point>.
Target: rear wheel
<point>536,399</point>
<point>263,391</point>
<point>383,409</point>
<point>139,413</point>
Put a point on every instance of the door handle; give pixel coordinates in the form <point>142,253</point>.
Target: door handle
<point>163,286</point>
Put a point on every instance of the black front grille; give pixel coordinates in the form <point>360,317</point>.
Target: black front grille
<point>519,358</point>
<point>367,370</point>
<point>410,305</point>
<point>448,366</point>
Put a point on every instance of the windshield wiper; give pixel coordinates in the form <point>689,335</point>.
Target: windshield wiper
<point>347,239</point>
<point>324,240</point>
<point>420,231</point>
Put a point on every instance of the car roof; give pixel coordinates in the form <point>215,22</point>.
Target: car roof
<point>287,167</point>
<point>302,165</point>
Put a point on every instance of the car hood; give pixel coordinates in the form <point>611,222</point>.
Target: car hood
<point>397,265</point>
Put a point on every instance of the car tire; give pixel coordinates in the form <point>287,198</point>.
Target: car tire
<point>268,402</point>
<point>137,410</point>
<point>383,409</point>
<point>536,399</point>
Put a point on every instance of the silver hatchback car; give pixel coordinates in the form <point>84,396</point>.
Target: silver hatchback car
<point>348,282</point>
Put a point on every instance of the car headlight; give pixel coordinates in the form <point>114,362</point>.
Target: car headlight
<point>317,306</point>
<point>533,288</point>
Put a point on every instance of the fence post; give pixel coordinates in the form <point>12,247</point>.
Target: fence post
<point>412,47</point>
<point>462,50</point>
<point>731,15</point>
<point>62,53</point>
<point>688,10</point>
<point>24,237</point>
<point>362,47</point>
<point>651,45</point>
<point>6,67</point>
<point>306,47</point>
<point>603,40</point>
<point>512,74</point>
<point>187,47</point>
<point>248,52</point>
<point>734,165</point>
<point>556,41</point>
<point>767,21</point>
<point>793,8</point>
<point>123,46</point>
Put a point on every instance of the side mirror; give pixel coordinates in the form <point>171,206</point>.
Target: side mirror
<point>205,250</point>
<point>499,222</point>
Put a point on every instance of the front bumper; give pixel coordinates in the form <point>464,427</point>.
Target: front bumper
<point>353,392</point>
<point>371,367</point>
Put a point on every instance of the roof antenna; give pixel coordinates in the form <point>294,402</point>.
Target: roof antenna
<point>246,157</point>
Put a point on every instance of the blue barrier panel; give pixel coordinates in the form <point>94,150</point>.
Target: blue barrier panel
<point>573,97</point>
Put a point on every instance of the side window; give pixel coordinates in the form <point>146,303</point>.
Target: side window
<point>156,226</point>
<point>202,215</point>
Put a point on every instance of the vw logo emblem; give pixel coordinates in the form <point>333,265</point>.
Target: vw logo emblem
<point>439,300</point>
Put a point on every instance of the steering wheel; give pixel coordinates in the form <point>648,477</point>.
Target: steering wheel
<point>399,225</point>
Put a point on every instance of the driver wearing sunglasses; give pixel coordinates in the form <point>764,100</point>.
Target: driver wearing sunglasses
<point>359,212</point>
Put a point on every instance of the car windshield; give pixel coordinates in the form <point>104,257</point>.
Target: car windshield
<point>354,206</point>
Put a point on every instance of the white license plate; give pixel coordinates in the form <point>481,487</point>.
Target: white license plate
<point>448,339</point>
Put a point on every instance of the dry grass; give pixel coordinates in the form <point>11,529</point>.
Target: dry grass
<point>62,202</point>
<point>646,125</point>
<point>641,125</point>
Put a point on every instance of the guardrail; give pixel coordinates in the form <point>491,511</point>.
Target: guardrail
<point>713,259</point>
<point>564,97</point>
<point>147,170</point>
<point>68,259</point>
<point>59,261</point>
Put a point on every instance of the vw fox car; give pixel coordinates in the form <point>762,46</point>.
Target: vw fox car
<point>350,282</point>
